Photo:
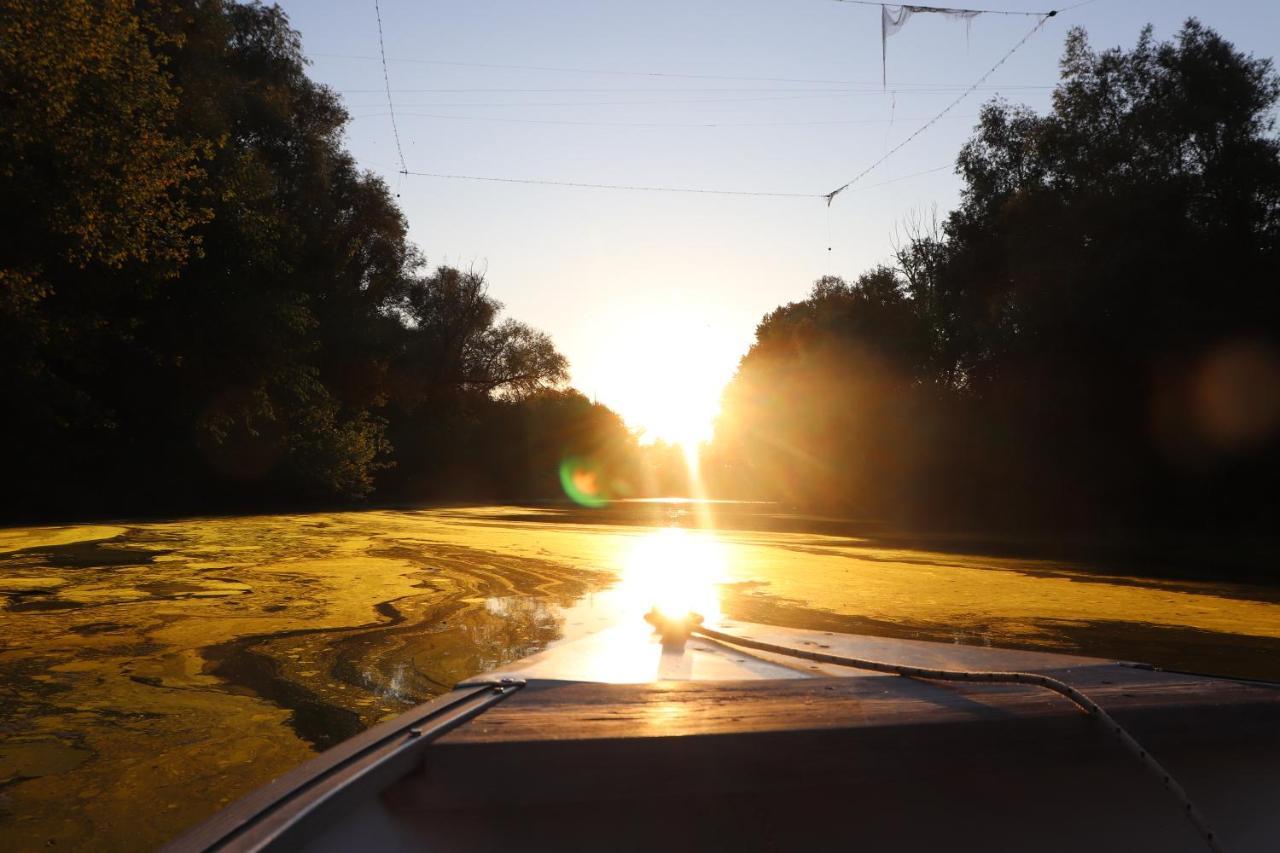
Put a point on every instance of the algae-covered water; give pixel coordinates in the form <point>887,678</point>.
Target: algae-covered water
<point>152,672</point>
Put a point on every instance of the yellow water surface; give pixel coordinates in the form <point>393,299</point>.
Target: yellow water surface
<point>152,672</point>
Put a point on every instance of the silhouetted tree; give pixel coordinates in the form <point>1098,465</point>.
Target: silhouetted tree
<point>203,300</point>
<point>820,411</point>
<point>1090,338</point>
<point>99,204</point>
<point>461,372</point>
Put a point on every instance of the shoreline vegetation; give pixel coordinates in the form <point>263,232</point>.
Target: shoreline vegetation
<point>214,308</point>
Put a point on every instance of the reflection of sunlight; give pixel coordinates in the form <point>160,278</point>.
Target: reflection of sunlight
<point>675,570</point>
<point>606,637</point>
<point>660,716</point>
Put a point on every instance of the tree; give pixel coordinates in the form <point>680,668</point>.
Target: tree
<point>455,343</point>
<point>277,342</point>
<point>1071,341</point>
<point>99,203</point>
<point>205,301</point>
<point>818,412</point>
<point>455,362</point>
<point>1104,250</point>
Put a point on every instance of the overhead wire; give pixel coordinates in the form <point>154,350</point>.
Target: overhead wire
<point>386,79</point>
<point>574,123</point>
<point>1021,13</point>
<point>939,88</point>
<point>560,69</point>
<point>829,196</point>
<point>905,177</point>
<point>612,72</point>
<point>631,187</point>
<point>658,189</point>
<point>948,108</point>
<point>608,103</point>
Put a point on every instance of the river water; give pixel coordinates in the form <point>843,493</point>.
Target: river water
<point>151,672</point>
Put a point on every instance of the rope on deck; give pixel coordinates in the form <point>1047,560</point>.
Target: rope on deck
<point>1090,707</point>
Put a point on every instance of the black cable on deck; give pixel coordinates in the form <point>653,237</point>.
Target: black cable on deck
<point>1090,707</point>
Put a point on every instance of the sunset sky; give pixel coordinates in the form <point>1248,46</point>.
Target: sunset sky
<point>655,296</point>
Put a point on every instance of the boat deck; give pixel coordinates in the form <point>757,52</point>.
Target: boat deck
<point>878,762</point>
<point>573,711</point>
<point>752,752</point>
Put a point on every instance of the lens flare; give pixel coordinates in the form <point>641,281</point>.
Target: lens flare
<point>582,481</point>
<point>1237,395</point>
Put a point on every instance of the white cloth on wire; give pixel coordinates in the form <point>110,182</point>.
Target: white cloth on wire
<point>894,18</point>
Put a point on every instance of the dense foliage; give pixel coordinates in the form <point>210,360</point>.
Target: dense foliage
<point>204,301</point>
<point>1090,339</point>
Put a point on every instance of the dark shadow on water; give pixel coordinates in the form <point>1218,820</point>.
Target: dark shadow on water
<point>32,604</point>
<point>122,550</point>
<point>316,721</point>
<point>95,628</point>
<point>320,723</point>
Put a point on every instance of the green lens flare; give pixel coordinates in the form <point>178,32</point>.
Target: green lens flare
<point>581,481</point>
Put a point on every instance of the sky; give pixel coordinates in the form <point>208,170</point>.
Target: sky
<point>655,296</point>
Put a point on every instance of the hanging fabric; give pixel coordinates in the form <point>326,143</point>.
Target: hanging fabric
<point>894,18</point>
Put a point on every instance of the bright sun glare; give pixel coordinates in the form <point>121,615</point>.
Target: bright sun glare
<point>678,414</point>
<point>672,394</point>
<point>675,570</point>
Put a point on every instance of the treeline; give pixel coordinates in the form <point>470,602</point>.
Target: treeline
<point>205,303</point>
<point>1090,341</point>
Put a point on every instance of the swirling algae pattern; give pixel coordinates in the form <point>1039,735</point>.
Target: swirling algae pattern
<point>151,672</point>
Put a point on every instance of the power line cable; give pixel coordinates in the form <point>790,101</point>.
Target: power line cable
<point>571,123</point>
<point>924,89</point>
<point>617,186</point>
<point>1047,14</point>
<point>597,103</point>
<point>905,177</point>
<point>386,79</point>
<point>948,108</point>
<point>614,72</point>
<point>559,69</point>
<point>656,189</point>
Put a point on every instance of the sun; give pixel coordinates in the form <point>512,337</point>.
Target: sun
<point>663,369</point>
<point>679,413</point>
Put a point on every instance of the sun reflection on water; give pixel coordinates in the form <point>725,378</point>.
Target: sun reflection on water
<point>675,570</point>
<point>605,636</point>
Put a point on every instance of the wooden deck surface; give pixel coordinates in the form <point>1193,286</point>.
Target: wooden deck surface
<point>878,762</point>
<point>825,759</point>
<point>552,711</point>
